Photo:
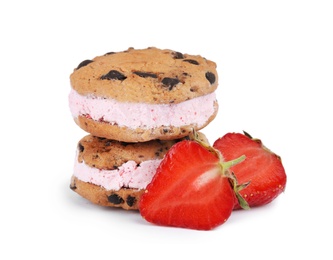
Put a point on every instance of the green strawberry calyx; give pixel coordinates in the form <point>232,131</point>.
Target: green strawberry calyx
<point>225,169</point>
<point>225,166</point>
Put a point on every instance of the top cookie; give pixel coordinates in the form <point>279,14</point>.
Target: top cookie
<point>149,75</point>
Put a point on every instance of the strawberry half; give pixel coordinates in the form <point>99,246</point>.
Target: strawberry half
<point>262,168</point>
<point>192,188</point>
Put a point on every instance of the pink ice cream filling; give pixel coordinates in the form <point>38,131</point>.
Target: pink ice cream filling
<point>128,175</point>
<point>142,115</point>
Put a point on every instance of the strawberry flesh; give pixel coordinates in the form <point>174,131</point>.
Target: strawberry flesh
<point>189,190</point>
<point>262,168</point>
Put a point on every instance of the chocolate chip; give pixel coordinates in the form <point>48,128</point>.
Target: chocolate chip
<point>84,63</point>
<point>72,186</point>
<point>109,53</point>
<point>129,49</point>
<point>115,199</point>
<point>113,74</point>
<point>210,77</point>
<point>145,74</point>
<point>170,82</point>
<point>192,61</point>
<point>130,200</point>
<point>194,89</point>
<point>80,147</point>
<point>166,130</point>
<point>178,55</point>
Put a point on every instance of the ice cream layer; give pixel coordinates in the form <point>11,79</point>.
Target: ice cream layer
<point>129,175</point>
<point>142,115</point>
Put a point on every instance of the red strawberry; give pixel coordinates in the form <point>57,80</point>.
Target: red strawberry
<point>192,188</point>
<point>262,168</point>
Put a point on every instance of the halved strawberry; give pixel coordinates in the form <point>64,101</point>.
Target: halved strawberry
<point>192,188</point>
<point>262,168</point>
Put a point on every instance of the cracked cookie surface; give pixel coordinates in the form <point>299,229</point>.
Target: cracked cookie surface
<point>151,75</point>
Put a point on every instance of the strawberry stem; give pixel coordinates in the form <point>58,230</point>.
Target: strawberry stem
<point>227,165</point>
<point>233,180</point>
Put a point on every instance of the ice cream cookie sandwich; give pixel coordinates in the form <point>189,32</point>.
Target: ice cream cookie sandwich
<point>115,174</point>
<point>140,95</point>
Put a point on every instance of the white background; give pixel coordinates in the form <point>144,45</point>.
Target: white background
<point>275,63</point>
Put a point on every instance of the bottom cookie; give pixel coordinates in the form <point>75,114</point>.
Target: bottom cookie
<point>126,198</point>
<point>115,174</point>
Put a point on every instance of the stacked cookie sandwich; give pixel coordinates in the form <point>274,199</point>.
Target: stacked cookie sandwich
<point>135,105</point>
